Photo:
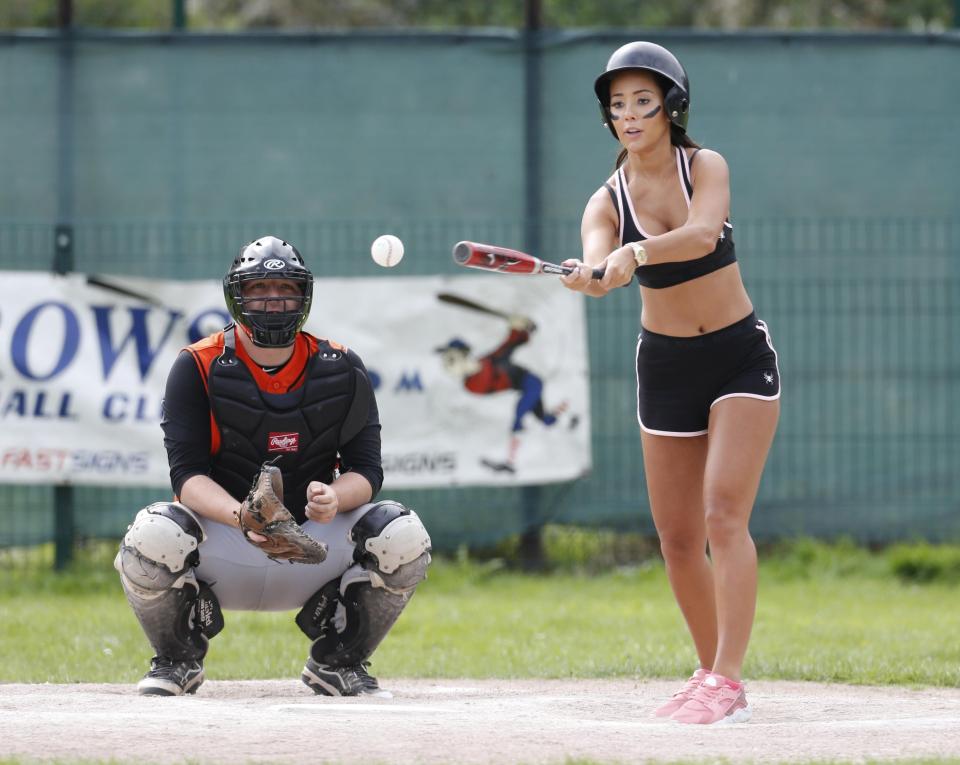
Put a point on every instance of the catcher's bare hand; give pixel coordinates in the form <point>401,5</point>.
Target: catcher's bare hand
<point>267,524</point>
<point>323,502</point>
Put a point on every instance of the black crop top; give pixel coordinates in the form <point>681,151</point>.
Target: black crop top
<point>659,275</point>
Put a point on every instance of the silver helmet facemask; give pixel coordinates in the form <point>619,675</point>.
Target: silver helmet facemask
<point>269,258</point>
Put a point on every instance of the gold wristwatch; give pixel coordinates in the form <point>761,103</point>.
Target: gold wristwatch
<point>639,253</point>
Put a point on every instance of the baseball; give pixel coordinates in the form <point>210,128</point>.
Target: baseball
<point>387,250</point>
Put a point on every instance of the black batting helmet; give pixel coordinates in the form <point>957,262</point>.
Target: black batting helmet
<point>268,258</point>
<point>653,58</point>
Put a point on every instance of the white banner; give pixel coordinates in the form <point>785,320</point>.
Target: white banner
<point>467,395</point>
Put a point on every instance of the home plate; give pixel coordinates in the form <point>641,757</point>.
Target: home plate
<point>353,708</point>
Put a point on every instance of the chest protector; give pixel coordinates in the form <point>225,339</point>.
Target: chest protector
<point>304,427</point>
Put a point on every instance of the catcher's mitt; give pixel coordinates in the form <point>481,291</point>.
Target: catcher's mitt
<point>264,513</point>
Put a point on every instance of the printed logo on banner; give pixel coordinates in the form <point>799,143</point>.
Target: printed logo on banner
<point>63,404</point>
<point>283,442</point>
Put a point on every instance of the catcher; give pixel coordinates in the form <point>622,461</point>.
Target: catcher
<point>273,440</point>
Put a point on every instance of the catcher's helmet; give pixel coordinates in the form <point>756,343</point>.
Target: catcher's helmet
<point>653,58</point>
<point>268,258</point>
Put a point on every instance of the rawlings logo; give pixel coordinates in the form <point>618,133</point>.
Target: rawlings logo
<point>283,442</point>
<point>206,613</point>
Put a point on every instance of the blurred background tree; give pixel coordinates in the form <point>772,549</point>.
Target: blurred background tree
<point>227,15</point>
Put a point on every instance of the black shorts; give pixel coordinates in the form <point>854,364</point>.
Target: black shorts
<point>680,378</point>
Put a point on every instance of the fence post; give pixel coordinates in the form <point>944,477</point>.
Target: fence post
<point>63,495</point>
<point>63,502</point>
<point>179,15</point>
<point>531,538</point>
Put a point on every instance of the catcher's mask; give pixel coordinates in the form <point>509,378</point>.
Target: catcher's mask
<point>268,258</point>
<point>652,58</point>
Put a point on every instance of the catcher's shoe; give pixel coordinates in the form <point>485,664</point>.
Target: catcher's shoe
<point>325,680</point>
<point>171,678</point>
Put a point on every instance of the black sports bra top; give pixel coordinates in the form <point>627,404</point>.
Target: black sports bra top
<point>659,275</point>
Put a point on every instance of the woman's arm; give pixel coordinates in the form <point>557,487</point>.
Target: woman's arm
<point>697,237</point>
<point>709,208</point>
<point>598,233</point>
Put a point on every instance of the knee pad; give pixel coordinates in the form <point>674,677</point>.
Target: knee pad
<point>156,559</point>
<point>159,548</point>
<point>349,617</point>
<point>392,544</point>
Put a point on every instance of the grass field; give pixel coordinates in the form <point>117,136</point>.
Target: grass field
<point>826,613</point>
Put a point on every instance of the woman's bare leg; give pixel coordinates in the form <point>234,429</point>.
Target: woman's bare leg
<point>674,469</point>
<point>741,432</point>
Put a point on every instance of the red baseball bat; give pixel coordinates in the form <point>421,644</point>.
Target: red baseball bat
<point>489,257</point>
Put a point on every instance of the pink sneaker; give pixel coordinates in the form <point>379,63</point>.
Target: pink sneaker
<point>715,702</point>
<point>683,695</point>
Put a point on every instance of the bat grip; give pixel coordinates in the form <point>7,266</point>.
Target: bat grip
<point>596,273</point>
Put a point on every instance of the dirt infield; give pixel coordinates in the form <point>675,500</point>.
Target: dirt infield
<point>468,721</point>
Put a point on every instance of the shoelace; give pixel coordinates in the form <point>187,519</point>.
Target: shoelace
<point>360,678</point>
<point>162,662</point>
<point>690,686</point>
<point>707,694</point>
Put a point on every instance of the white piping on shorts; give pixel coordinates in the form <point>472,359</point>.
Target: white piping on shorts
<point>674,433</point>
<point>744,395</point>
<point>761,325</point>
<point>644,428</point>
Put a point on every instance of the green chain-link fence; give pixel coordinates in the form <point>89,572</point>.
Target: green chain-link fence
<point>163,154</point>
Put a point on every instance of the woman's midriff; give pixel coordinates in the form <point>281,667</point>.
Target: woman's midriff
<point>709,303</point>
